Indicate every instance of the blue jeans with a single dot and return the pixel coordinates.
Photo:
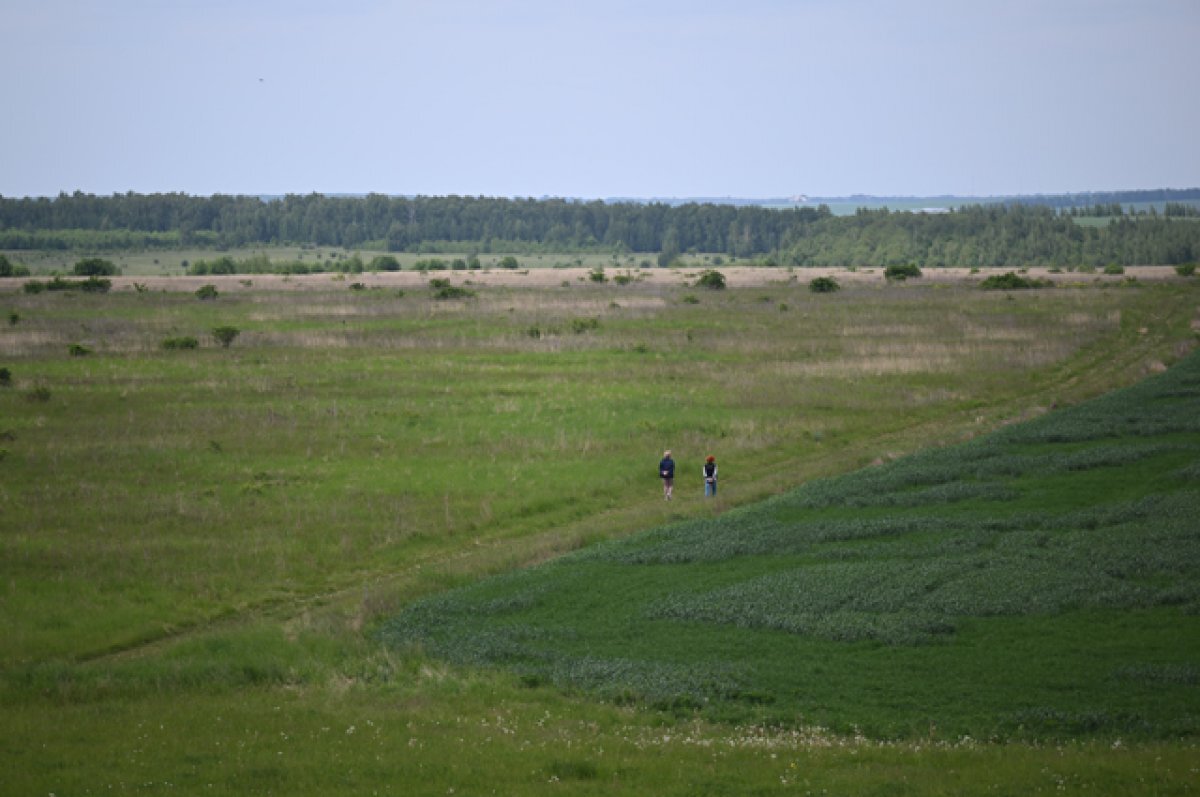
(710, 488)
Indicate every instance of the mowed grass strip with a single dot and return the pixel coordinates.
(1042, 582)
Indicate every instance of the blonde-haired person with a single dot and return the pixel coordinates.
(666, 472)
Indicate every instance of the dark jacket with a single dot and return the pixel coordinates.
(666, 468)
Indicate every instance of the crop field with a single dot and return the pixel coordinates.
(219, 565)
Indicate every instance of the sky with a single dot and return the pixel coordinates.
(598, 99)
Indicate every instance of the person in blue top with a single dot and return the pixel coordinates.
(666, 472)
(710, 477)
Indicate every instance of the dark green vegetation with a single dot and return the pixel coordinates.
(1011, 281)
(995, 235)
(196, 545)
(901, 271)
(1041, 582)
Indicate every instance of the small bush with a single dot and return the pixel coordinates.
(1114, 269)
(95, 285)
(437, 284)
(1186, 269)
(509, 262)
(385, 263)
(33, 286)
(5, 377)
(185, 342)
(902, 272)
(690, 299)
(452, 292)
(597, 275)
(824, 285)
(357, 286)
(622, 279)
(225, 335)
(711, 279)
(78, 350)
(205, 292)
(94, 267)
(1010, 281)
(38, 395)
(13, 319)
(581, 325)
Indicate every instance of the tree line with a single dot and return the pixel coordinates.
(998, 234)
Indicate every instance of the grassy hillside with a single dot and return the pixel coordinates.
(196, 545)
(1043, 581)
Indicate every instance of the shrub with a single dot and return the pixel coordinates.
(509, 262)
(824, 285)
(1113, 269)
(711, 279)
(206, 292)
(33, 286)
(78, 350)
(225, 335)
(357, 286)
(1185, 269)
(581, 325)
(439, 283)
(385, 263)
(94, 267)
(95, 285)
(902, 272)
(622, 279)
(185, 342)
(597, 275)
(39, 394)
(1010, 281)
(452, 292)
(6, 266)
(5, 377)
(13, 319)
(690, 299)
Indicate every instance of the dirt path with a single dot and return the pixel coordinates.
(736, 277)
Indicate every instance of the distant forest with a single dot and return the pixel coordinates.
(1000, 234)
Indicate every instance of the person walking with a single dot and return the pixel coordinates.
(710, 477)
(666, 471)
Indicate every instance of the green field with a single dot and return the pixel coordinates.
(201, 546)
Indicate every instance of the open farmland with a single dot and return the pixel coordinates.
(199, 544)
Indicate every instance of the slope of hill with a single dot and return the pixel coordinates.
(1041, 582)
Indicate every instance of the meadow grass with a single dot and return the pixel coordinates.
(171, 262)
(215, 532)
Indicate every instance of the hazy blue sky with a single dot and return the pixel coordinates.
(596, 99)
